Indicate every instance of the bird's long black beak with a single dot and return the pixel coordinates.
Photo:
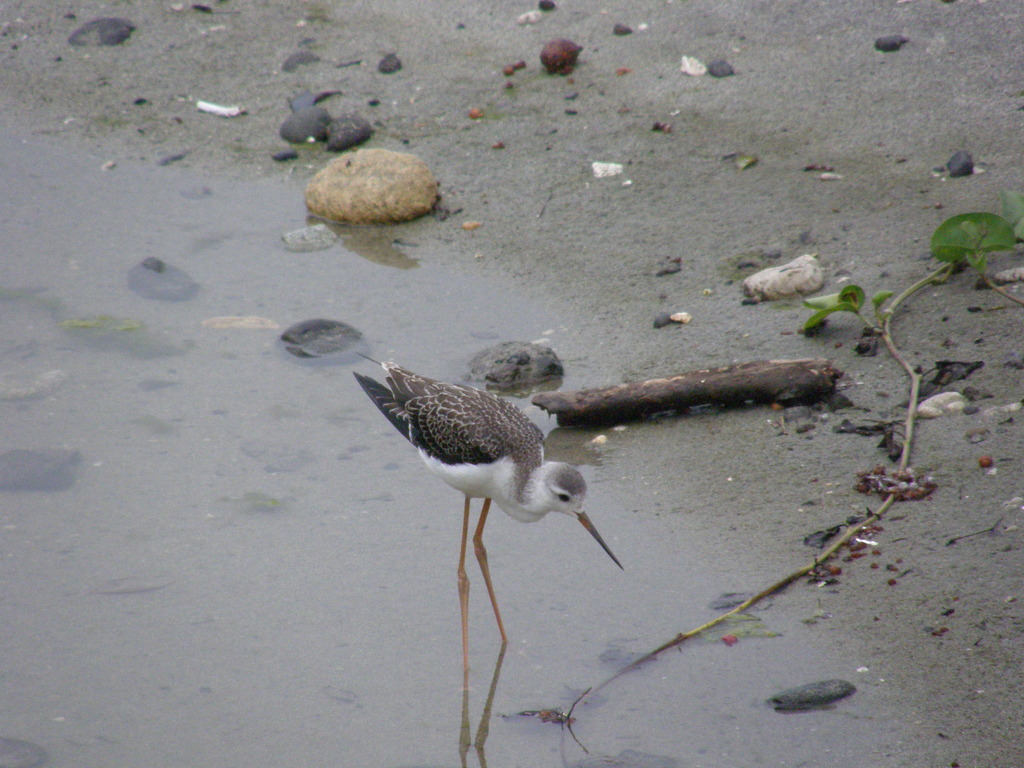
(593, 532)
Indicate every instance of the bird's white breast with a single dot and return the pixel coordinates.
(484, 481)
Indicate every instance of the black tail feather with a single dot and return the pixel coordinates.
(385, 402)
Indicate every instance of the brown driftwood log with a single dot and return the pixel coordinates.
(761, 381)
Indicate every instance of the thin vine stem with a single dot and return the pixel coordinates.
(885, 327)
(1000, 290)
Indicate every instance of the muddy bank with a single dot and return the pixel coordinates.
(944, 642)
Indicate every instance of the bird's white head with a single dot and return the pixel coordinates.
(561, 488)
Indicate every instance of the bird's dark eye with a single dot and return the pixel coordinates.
(564, 497)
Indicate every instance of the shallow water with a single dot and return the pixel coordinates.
(252, 566)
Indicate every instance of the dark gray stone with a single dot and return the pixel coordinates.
(389, 64)
(106, 31)
(306, 124)
(960, 164)
(812, 695)
(515, 364)
(296, 60)
(889, 43)
(346, 131)
(720, 68)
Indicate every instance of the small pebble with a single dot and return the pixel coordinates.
(622, 30)
(888, 43)
(106, 31)
(389, 64)
(346, 131)
(662, 320)
(531, 17)
(168, 159)
(559, 56)
(960, 164)
(285, 155)
(720, 68)
(546, 5)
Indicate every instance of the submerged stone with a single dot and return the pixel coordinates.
(318, 237)
(51, 469)
(812, 695)
(153, 278)
(323, 338)
(16, 753)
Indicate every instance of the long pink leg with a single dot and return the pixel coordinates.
(481, 556)
(464, 593)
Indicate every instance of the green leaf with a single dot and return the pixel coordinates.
(822, 302)
(853, 294)
(815, 319)
(878, 298)
(968, 233)
(1013, 207)
(977, 261)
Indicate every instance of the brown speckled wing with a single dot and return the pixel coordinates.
(455, 424)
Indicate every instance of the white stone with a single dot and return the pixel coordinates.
(693, 67)
(604, 170)
(1015, 275)
(800, 276)
(940, 405)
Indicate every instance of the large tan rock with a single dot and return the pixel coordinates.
(372, 186)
